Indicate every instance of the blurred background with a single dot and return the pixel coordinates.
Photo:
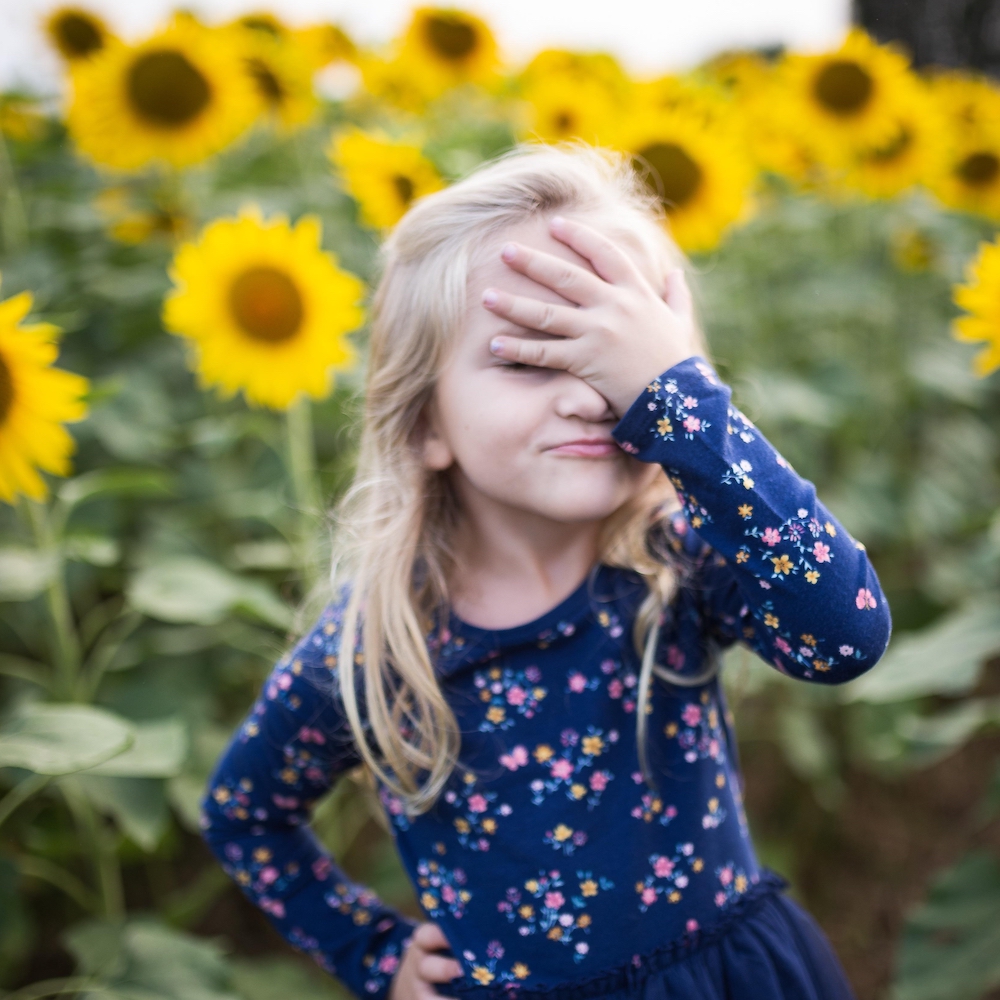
(173, 425)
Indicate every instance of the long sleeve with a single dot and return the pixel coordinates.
(778, 570)
(290, 749)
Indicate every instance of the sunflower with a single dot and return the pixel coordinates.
(21, 118)
(179, 97)
(444, 47)
(35, 400)
(281, 75)
(135, 220)
(980, 297)
(266, 309)
(846, 99)
(564, 106)
(597, 67)
(392, 81)
(77, 33)
(969, 102)
(702, 174)
(384, 176)
(325, 43)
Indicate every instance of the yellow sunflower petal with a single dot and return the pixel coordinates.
(264, 307)
(980, 297)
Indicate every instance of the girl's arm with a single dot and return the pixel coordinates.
(288, 752)
(782, 573)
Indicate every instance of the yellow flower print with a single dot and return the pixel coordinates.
(531, 885)
(782, 564)
(720, 780)
(741, 883)
(742, 556)
(520, 970)
(495, 674)
(462, 825)
(554, 934)
(593, 745)
(485, 694)
(812, 575)
(588, 887)
(496, 714)
(243, 877)
(539, 693)
(489, 825)
(771, 621)
(697, 865)
(362, 917)
(526, 912)
(222, 795)
(578, 791)
(808, 639)
(482, 975)
(289, 776)
(543, 752)
(747, 483)
(429, 901)
(745, 510)
(696, 521)
(562, 832)
(262, 854)
(674, 897)
(583, 920)
(664, 426)
(670, 729)
(830, 529)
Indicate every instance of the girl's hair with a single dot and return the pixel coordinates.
(394, 523)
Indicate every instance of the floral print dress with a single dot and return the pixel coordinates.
(548, 861)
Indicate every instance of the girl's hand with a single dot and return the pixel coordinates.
(420, 967)
(620, 334)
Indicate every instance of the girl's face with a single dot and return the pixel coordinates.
(533, 440)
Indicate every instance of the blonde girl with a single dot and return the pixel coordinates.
(558, 520)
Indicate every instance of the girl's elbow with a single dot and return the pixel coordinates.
(862, 650)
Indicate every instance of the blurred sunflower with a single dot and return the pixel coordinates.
(677, 93)
(846, 99)
(178, 97)
(562, 105)
(598, 67)
(701, 174)
(325, 43)
(384, 176)
(135, 220)
(265, 307)
(444, 47)
(980, 297)
(77, 33)
(392, 82)
(35, 400)
(969, 102)
(20, 117)
(282, 76)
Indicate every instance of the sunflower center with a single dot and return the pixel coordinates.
(450, 38)
(979, 169)
(263, 23)
(267, 305)
(166, 89)
(6, 390)
(77, 35)
(267, 83)
(843, 87)
(404, 188)
(679, 175)
(563, 121)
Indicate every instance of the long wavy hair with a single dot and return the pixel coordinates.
(392, 527)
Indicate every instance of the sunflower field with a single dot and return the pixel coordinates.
(187, 242)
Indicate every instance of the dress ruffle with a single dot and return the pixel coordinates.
(765, 948)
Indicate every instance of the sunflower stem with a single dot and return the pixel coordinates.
(65, 640)
(13, 217)
(305, 489)
(20, 794)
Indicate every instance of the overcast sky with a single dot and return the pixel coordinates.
(649, 36)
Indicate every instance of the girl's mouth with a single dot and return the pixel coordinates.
(587, 448)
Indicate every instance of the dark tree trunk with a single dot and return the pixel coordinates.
(938, 32)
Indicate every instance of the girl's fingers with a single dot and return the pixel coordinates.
(429, 936)
(537, 353)
(609, 260)
(438, 968)
(678, 295)
(568, 279)
(533, 314)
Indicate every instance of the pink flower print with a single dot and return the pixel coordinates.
(562, 769)
(675, 657)
(649, 896)
(273, 906)
(285, 801)
(285, 681)
(517, 695)
(577, 681)
(780, 643)
(448, 893)
(692, 424)
(477, 803)
(553, 900)
(821, 552)
(691, 715)
(662, 867)
(388, 963)
(713, 749)
(771, 536)
(607, 666)
(533, 674)
(689, 402)
(269, 874)
(726, 876)
(692, 926)
(615, 688)
(720, 899)
(314, 774)
(321, 868)
(671, 812)
(598, 781)
(846, 650)
(865, 599)
(518, 757)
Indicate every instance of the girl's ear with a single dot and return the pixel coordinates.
(434, 450)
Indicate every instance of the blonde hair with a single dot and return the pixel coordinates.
(391, 546)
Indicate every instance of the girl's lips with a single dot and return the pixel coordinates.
(600, 448)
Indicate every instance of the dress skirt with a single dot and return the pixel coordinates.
(767, 948)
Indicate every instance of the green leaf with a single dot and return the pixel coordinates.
(24, 573)
(950, 948)
(98, 550)
(281, 978)
(943, 659)
(62, 739)
(123, 481)
(189, 589)
(159, 751)
(138, 805)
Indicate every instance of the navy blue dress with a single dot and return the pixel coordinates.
(553, 870)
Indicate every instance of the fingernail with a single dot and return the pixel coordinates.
(489, 297)
(509, 252)
(496, 345)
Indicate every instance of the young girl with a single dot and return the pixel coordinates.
(557, 521)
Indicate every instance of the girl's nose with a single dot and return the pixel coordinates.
(576, 398)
